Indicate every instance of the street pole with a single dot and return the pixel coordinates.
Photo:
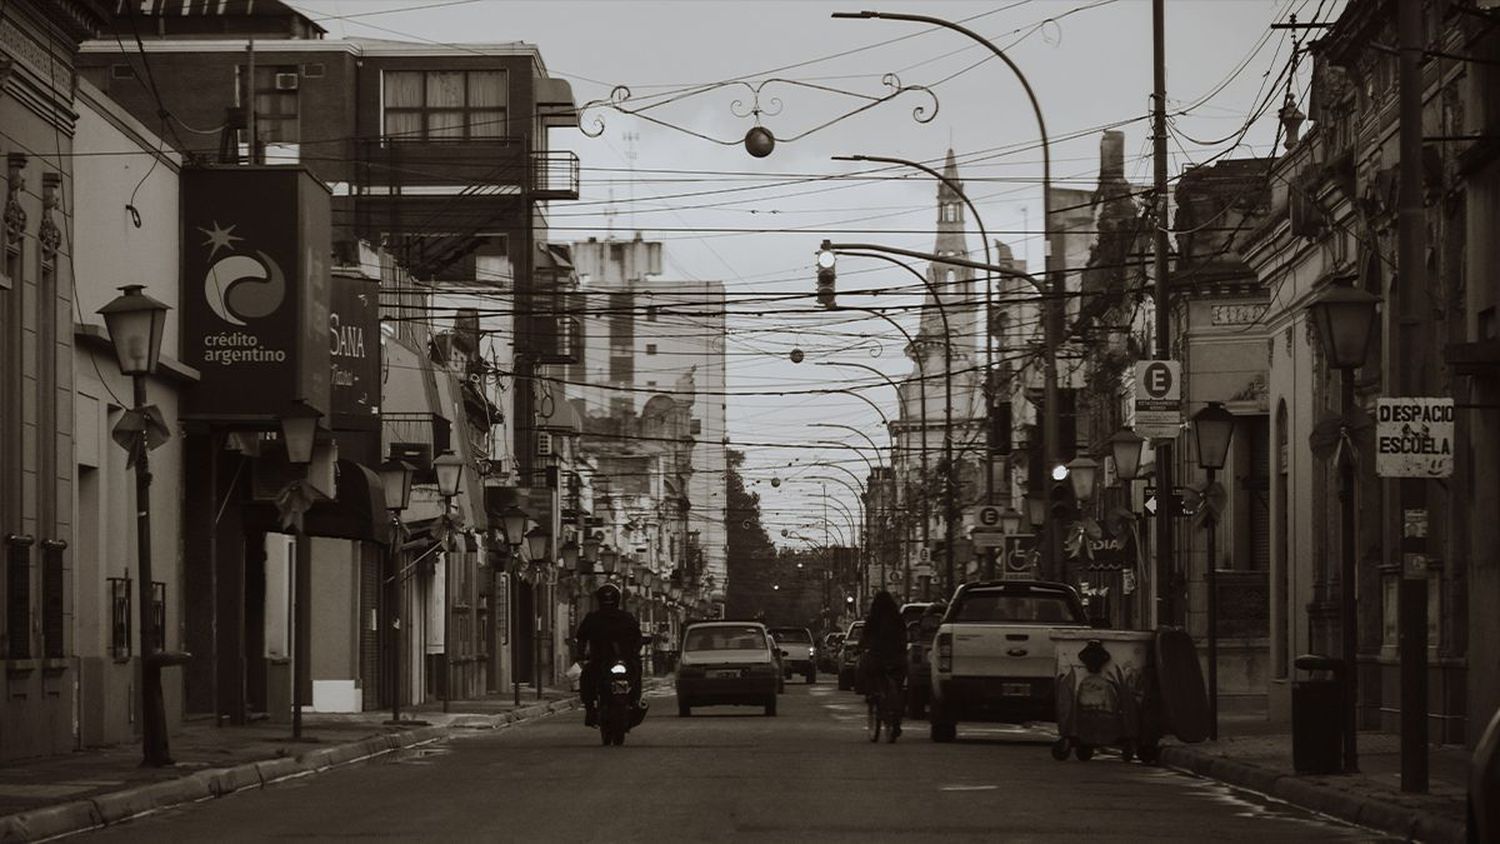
(1211, 575)
(154, 742)
(1166, 511)
(1408, 350)
(301, 627)
(1348, 607)
(1052, 289)
(393, 598)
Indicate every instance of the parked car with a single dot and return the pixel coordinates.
(726, 663)
(920, 632)
(849, 655)
(828, 655)
(994, 659)
(798, 654)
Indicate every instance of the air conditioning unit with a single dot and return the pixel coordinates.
(286, 81)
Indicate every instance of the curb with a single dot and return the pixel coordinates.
(1369, 812)
(63, 819)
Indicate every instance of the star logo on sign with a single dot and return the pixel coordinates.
(219, 237)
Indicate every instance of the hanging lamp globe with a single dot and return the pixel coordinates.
(759, 141)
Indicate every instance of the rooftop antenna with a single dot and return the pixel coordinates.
(609, 216)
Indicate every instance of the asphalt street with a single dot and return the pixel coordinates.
(733, 774)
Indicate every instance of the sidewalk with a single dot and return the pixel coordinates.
(1258, 756)
(56, 795)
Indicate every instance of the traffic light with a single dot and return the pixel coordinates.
(826, 275)
(1060, 499)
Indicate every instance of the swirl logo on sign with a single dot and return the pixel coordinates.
(240, 285)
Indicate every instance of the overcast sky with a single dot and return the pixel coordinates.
(1089, 62)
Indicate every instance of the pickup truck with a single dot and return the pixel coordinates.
(993, 658)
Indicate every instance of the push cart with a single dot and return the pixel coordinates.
(1104, 680)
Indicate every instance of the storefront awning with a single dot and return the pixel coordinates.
(357, 513)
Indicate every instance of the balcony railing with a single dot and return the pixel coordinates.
(554, 175)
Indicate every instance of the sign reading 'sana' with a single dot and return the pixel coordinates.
(256, 246)
(1414, 437)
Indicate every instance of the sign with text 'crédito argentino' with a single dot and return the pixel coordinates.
(1414, 437)
(255, 261)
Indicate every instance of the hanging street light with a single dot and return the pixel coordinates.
(449, 468)
(135, 323)
(1345, 317)
(299, 430)
(1082, 473)
(1125, 446)
(537, 540)
(1212, 428)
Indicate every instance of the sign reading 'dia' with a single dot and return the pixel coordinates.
(1414, 437)
(1158, 399)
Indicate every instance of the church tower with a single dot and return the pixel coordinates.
(956, 296)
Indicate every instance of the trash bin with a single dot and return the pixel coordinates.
(1101, 682)
(1317, 720)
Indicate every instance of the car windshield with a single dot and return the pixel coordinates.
(785, 635)
(724, 638)
(1032, 607)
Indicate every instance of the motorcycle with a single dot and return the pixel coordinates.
(617, 711)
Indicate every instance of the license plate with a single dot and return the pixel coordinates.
(1015, 689)
(724, 673)
(620, 687)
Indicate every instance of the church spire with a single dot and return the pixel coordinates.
(954, 284)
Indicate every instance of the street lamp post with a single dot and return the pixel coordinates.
(537, 540)
(1125, 447)
(299, 433)
(1345, 318)
(135, 323)
(449, 468)
(1213, 426)
(513, 525)
(949, 492)
(1053, 290)
(921, 446)
(395, 480)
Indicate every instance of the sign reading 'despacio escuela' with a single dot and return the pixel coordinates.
(1414, 437)
(256, 246)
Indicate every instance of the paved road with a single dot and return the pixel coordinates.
(732, 774)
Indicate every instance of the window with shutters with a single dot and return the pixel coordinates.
(445, 104)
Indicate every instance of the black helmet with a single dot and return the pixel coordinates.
(608, 595)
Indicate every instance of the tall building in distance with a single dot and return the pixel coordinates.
(646, 336)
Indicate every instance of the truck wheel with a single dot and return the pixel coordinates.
(1060, 749)
(1084, 752)
(942, 731)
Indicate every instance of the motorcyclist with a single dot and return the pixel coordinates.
(606, 634)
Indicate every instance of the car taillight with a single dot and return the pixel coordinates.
(811, 652)
(945, 651)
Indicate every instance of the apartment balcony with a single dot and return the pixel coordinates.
(554, 175)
